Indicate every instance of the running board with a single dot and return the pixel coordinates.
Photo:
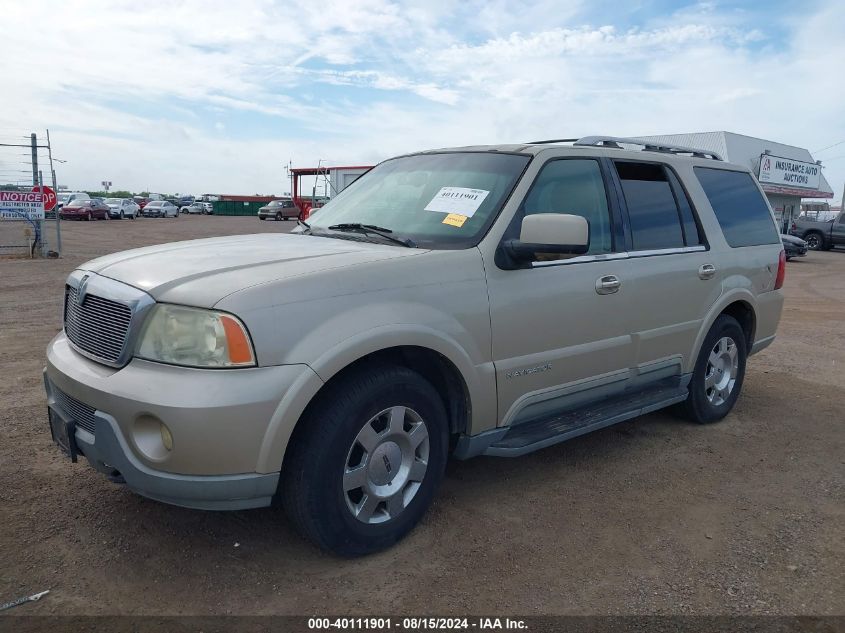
(531, 436)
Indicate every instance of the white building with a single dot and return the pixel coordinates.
(786, 173)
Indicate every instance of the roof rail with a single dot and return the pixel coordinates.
(554, 140)
(646, 144)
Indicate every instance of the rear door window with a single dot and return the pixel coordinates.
(739, 207)
(653, 210)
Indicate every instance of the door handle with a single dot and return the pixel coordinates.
(608, 284)
(706, 271)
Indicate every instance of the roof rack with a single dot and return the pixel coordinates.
(616, 142)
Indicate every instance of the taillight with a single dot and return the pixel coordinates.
(781, 270)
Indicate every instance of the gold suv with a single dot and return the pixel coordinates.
(488, 300)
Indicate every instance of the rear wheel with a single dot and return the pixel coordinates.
(719, 372)
(366, 461)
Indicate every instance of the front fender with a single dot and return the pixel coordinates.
(479, 380)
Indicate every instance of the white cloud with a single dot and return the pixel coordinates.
(118, 82)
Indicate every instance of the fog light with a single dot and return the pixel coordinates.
(166, 437)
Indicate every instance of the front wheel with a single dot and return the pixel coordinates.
(279, 217)
(719, 372)
(366, 461)
(815, 241)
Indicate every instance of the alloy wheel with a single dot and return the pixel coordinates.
(386, 465)
(722, 371)
(814, 242)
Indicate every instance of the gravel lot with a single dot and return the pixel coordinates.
(651, 516)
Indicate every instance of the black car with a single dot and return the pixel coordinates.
(793, 246)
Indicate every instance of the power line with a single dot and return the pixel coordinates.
(829, 147)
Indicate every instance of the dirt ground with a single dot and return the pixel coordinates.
(653, 516)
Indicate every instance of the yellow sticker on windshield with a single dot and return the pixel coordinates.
(455, 219)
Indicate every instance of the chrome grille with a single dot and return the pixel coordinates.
(99, 326)
(78, 411)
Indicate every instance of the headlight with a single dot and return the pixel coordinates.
(196, 338)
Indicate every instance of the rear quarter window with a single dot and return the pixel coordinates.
(739, 207)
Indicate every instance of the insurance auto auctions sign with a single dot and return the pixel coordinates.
(21, 205)
(789, 173)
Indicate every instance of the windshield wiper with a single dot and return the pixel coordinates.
(357, 227)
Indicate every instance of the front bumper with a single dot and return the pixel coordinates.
(218, 420)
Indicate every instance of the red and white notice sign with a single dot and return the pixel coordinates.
(21, 205)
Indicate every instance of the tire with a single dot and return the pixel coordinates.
(330, 441)
(279, 216)
(122, 216)
(262, 219)
(707, 404)
(815, 241)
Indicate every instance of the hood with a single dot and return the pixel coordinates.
(202, 272)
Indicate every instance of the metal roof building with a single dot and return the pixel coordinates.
(786, 173)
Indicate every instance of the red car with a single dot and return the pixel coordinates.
(95, 208)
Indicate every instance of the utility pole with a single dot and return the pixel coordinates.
(39, 224)
(56, 190)
(33, 140)
(42, 237)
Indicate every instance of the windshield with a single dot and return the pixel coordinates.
(438, 200)
(114, 200)
(275, 203)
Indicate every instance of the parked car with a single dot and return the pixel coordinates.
(793, 246)
(85, 209)
(820, 234)
(490, 300)
(279, 209)
(185, 201)
(195, 207)
(160, 209)
(66, 197)
(120, 208)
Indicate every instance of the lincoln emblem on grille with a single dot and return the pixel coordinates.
(80, 292)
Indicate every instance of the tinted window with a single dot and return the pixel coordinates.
(574, 187)
(739, 207)
(652, 210)
(692, 236)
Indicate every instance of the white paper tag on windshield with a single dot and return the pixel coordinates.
(458, 200)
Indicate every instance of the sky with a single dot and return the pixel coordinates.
(217, 97)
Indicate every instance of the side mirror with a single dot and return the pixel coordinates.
(549, 233)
